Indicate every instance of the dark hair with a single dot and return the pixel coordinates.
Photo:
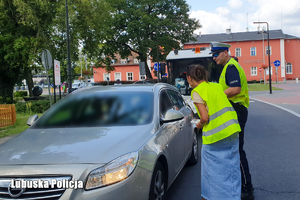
(197, 72)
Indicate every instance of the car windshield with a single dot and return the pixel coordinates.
(100, 109)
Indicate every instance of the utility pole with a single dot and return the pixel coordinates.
(68, 52)
(270, 81)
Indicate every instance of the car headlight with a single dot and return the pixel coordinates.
(113, 172)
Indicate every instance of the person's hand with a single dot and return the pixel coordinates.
(199, 126)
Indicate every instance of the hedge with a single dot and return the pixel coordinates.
(20, 94)
(39, 106)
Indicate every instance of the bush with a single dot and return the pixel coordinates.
(21, 107)
(20, 94)
(6, 101)
(39, 106)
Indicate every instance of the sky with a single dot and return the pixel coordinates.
(216, 16)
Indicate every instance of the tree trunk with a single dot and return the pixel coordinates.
(29, 81)
(148, 72)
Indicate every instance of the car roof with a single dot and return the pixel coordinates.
(125, 87)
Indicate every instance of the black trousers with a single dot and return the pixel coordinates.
(242, 113)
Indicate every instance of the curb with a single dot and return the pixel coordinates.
(287, 110)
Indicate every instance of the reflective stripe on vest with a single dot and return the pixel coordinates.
(221, 127)
(222, 117)
(243, 96)
(221, 112)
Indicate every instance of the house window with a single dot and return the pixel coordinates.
(267, 71)
(118, 76)
(289, 68)
(253, 71)
(142, 77)
(105, 76)
(238, 52)
(123, 61)
(129, 76)
(253, 51)
(267, 50)
(135, 60)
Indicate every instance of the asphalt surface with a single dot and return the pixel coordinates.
(272, 137)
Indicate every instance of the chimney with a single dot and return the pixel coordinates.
(228, 31)
(199, 34)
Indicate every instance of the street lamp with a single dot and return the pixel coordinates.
(263, 33)
(270, 82)
(158, 76)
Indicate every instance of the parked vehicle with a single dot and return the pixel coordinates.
(94, 84)
(115, 142)
(144, 82)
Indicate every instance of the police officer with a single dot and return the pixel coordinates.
(234, 83)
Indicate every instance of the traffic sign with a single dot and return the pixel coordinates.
(46, 59)
(155, 66)
(277, 63)
(142, 68)
(57, 72)
(260, 69)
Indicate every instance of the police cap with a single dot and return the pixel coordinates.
(218, 47)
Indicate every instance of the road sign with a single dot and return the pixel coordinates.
(260, 69)
(46, 59)
(57, 72)
(277, 63)
(155, 66)
(142, 68)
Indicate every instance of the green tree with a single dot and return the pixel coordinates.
(24, 32)
(143, 27)
(29, 26)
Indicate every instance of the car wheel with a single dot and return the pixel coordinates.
(194, 156)
(158, 183)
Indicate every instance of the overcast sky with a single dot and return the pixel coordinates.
(216, 16)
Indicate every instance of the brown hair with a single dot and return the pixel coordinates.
(197, 72)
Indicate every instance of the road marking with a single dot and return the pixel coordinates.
(290, 111)
(251, 101)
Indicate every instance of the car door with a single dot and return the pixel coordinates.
(185, 124)
(171, 134)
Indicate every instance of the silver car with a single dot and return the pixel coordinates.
(111, 142)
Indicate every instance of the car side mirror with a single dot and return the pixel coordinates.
(32, 119)
(171, 116)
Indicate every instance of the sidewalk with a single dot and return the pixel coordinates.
(288, 98)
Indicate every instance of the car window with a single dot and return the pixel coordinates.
(176, 99)
(100, 109)
(164, 103)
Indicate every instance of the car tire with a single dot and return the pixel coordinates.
(158, 183)
(194, 155)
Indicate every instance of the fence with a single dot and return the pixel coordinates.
(7, 115)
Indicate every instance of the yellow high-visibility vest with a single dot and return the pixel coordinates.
(243, 96)
(223, 120)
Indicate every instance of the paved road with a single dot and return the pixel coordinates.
(288, 98)
(272, 145)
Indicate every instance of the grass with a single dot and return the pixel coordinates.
(18, 127)
(261, 87)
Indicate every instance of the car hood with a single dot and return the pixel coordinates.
(73, 145)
